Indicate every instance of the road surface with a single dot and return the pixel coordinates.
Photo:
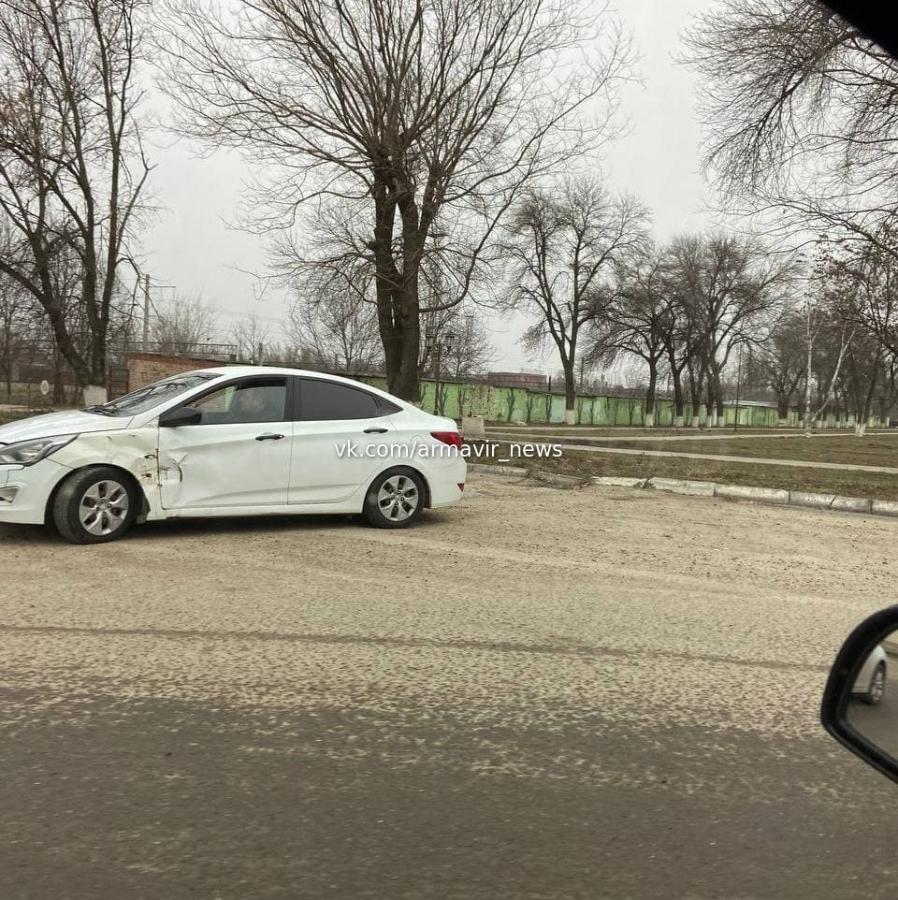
(539, 693)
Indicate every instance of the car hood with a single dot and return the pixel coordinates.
(72, 421)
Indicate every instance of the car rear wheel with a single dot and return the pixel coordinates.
(395, 499)
(877, 688)
(95, 506)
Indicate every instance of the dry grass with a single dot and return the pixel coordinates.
(870, 450)
(848, 484)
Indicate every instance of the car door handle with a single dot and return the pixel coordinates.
(269, 437)
(376, 430)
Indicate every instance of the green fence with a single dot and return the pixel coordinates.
(506, 404)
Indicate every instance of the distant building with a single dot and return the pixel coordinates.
(532, 381)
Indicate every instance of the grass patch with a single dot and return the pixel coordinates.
(824, 481)
(870, 450)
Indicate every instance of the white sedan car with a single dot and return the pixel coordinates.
(231, 441)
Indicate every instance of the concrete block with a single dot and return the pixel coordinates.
(676, 486)
(758, 494)
(806, 498)
(94, 395)
(884, 507)
(472, 426)
(618, 481)
(851, 504)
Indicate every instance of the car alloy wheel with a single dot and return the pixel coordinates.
(94, 505)
(398, 498)
(395, 499)
(104, 508)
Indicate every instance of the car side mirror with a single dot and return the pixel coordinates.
(180, 415)
(860, 703)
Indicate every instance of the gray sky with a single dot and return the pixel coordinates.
(193, 245)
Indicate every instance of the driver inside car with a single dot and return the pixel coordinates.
(258, 404)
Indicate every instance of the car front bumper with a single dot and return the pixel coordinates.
(26, 490)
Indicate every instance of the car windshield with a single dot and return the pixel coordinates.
(152, 395)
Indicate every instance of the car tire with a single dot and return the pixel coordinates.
(877, 688)
(94, 506)
(395, 499)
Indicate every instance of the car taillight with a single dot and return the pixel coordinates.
(452, 438)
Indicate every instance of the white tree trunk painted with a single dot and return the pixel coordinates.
(649, 420)
(696, 421)
(570, 417)
(679, 421)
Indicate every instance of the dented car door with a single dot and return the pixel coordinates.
(236, 454)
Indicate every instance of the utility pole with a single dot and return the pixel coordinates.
(146, 311)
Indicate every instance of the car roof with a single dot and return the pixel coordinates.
(246, 371)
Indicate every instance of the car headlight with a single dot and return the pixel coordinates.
(27, 453)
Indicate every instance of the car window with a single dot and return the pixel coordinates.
(152, 395)
(328, 400)
(259, 400)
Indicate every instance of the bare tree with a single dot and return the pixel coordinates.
(15, 311)
(250, 337)
(464, 343)
(726, 288)
(563, 247)
(861, 295)
(780, 360)
(430, 115)
(336, 323)
(802, 116)
(72, 167)
(182, 325)
(638, 320)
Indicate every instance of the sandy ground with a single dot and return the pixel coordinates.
(538, 693)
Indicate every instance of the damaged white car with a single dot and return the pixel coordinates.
(231, 441)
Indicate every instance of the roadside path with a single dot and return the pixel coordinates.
(640, 435)
(752, 460)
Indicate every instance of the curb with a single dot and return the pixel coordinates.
(775, 497)
(483, 469)
(767, 496)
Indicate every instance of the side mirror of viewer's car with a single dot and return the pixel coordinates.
(181, 415)
(860, 703)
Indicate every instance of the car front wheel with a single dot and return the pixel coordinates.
(94, 506)
(395, 499)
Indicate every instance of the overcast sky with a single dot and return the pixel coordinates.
(193, 245)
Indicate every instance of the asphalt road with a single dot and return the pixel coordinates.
(539, 693)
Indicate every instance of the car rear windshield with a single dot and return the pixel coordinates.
(152, 395)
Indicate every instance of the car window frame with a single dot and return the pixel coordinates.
(244, 380)
(384, 407)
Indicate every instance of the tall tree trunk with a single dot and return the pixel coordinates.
(650, 395)
(679, 400)
(860, 425)
(695, 396)
(397, 302)
(782, 407)
(570, 393)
